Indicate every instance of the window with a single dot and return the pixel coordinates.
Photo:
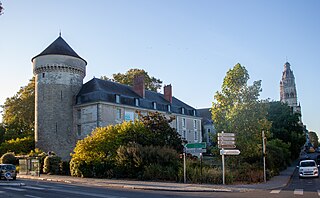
(136, 102)
(195, 135)
(194, 112)
(182, 110)
(79, 129)
(169, 108)
(118, 114)
(209, 131)
(43, 75)
(184, 134)
(194, 124)
(183, 123)
(117, 98)
(79, 114)
(154, 105)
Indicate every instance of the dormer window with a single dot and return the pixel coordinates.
(194, 112)
(136, 102)
(117, 98)
(154, 104)
(182, 110)
(169, 108)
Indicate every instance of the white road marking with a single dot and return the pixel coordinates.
(32, 196)
(33, 188)
(275, 191)
(298, 192)
(319, 193)
(15, 189)
(85, 193)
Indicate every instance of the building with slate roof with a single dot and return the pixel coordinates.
(67, 110)
(207, 125)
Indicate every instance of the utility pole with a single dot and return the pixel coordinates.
(264, 142)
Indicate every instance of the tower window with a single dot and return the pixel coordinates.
(79, 113)
(79, 129)
(43, 74)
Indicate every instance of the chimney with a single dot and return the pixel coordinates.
(167, 89)
(138, 85)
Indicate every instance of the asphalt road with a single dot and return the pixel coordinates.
(42, 189)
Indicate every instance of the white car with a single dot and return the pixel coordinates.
(308, 168)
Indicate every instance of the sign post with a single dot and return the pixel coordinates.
(226, 140)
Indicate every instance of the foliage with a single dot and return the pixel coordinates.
(147, 162)
(160, 131)
(8, 158)
(64, 167)
(278, 156)
(314, 139)
(237, 109)
(100, 147)
(19, 145)
(52, 165)
(286, 127)
(151, 83)
(117, 150)
(1, 9)
(18, 113)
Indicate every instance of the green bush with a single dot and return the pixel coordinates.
(19, 145)
(51, 165)
(64, 167)
(8, 158)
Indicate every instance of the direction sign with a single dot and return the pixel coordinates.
(196, 145)
(226, 134)
(226, 142)
(223, 138)
(229, 152)
(227, 146)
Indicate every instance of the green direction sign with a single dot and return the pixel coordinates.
(196, 145)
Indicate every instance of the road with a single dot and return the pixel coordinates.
(42, 189)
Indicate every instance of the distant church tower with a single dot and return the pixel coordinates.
(288, 92)
(59, 73)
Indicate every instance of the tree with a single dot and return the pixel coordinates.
(314, 139)
(161, 133)
(286, 127)
(1, 8)
(18, 113)
(237, 109)
(151, 83)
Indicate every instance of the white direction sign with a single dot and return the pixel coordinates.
(223, 138)
(226, 134)
(229, 152)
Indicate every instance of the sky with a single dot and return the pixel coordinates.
(186, 43)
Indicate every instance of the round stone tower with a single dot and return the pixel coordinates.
(59, 73)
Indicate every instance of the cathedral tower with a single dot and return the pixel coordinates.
(288, 92)
(59, 73)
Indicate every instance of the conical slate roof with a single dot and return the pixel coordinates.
(59, 47)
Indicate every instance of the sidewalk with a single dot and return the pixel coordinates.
(276, 182)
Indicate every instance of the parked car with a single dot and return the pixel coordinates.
(308, 168)
(8, 171)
